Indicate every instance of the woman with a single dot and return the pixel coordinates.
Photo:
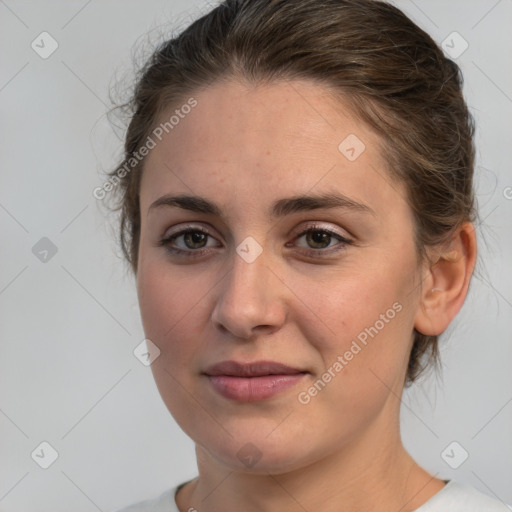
(298, 209)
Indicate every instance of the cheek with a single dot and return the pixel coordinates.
(346, 307)
(361, 327)
(362, 360)
(170, 304)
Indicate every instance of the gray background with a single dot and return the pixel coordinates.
(69, 325)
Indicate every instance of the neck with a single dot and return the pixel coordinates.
(364, 475)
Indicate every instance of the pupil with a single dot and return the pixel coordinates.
(318, 237)
(194, 238)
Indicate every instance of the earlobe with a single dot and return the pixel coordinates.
(447, 281)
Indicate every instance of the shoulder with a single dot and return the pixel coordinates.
(163, 503)
(457, 497)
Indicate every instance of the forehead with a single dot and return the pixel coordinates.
(297, 116)
(248, 141)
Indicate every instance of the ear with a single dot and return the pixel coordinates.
(446, 282)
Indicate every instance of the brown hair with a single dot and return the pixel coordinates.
(391, 72)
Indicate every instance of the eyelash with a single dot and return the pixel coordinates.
(315, 253)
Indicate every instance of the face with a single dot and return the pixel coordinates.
(326, 284)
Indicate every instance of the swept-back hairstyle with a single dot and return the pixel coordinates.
(389, 71)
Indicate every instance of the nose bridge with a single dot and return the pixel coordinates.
(248, 297)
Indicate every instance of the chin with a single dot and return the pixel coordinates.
(257, 453)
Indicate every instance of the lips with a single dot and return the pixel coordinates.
(252, 382)
(253, 369)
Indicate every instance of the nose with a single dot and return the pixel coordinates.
(250, 299)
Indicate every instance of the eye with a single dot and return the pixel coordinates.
(194, 241)
(319, 239)
(188, 240)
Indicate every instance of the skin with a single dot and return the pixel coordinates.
(243, 147)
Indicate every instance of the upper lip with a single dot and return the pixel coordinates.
(251, 369)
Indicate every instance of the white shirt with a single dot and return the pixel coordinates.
(453, 497)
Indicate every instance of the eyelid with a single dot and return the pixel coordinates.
(298, 232)
(177, 230)
(343, 241)
(171, 234)
(181, 230)
(321, 227)
(343, 238)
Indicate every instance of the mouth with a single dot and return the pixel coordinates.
(253, 369)
(250, 382)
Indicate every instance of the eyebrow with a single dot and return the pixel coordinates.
(279, 208)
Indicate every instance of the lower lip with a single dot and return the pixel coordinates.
(252, 389)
